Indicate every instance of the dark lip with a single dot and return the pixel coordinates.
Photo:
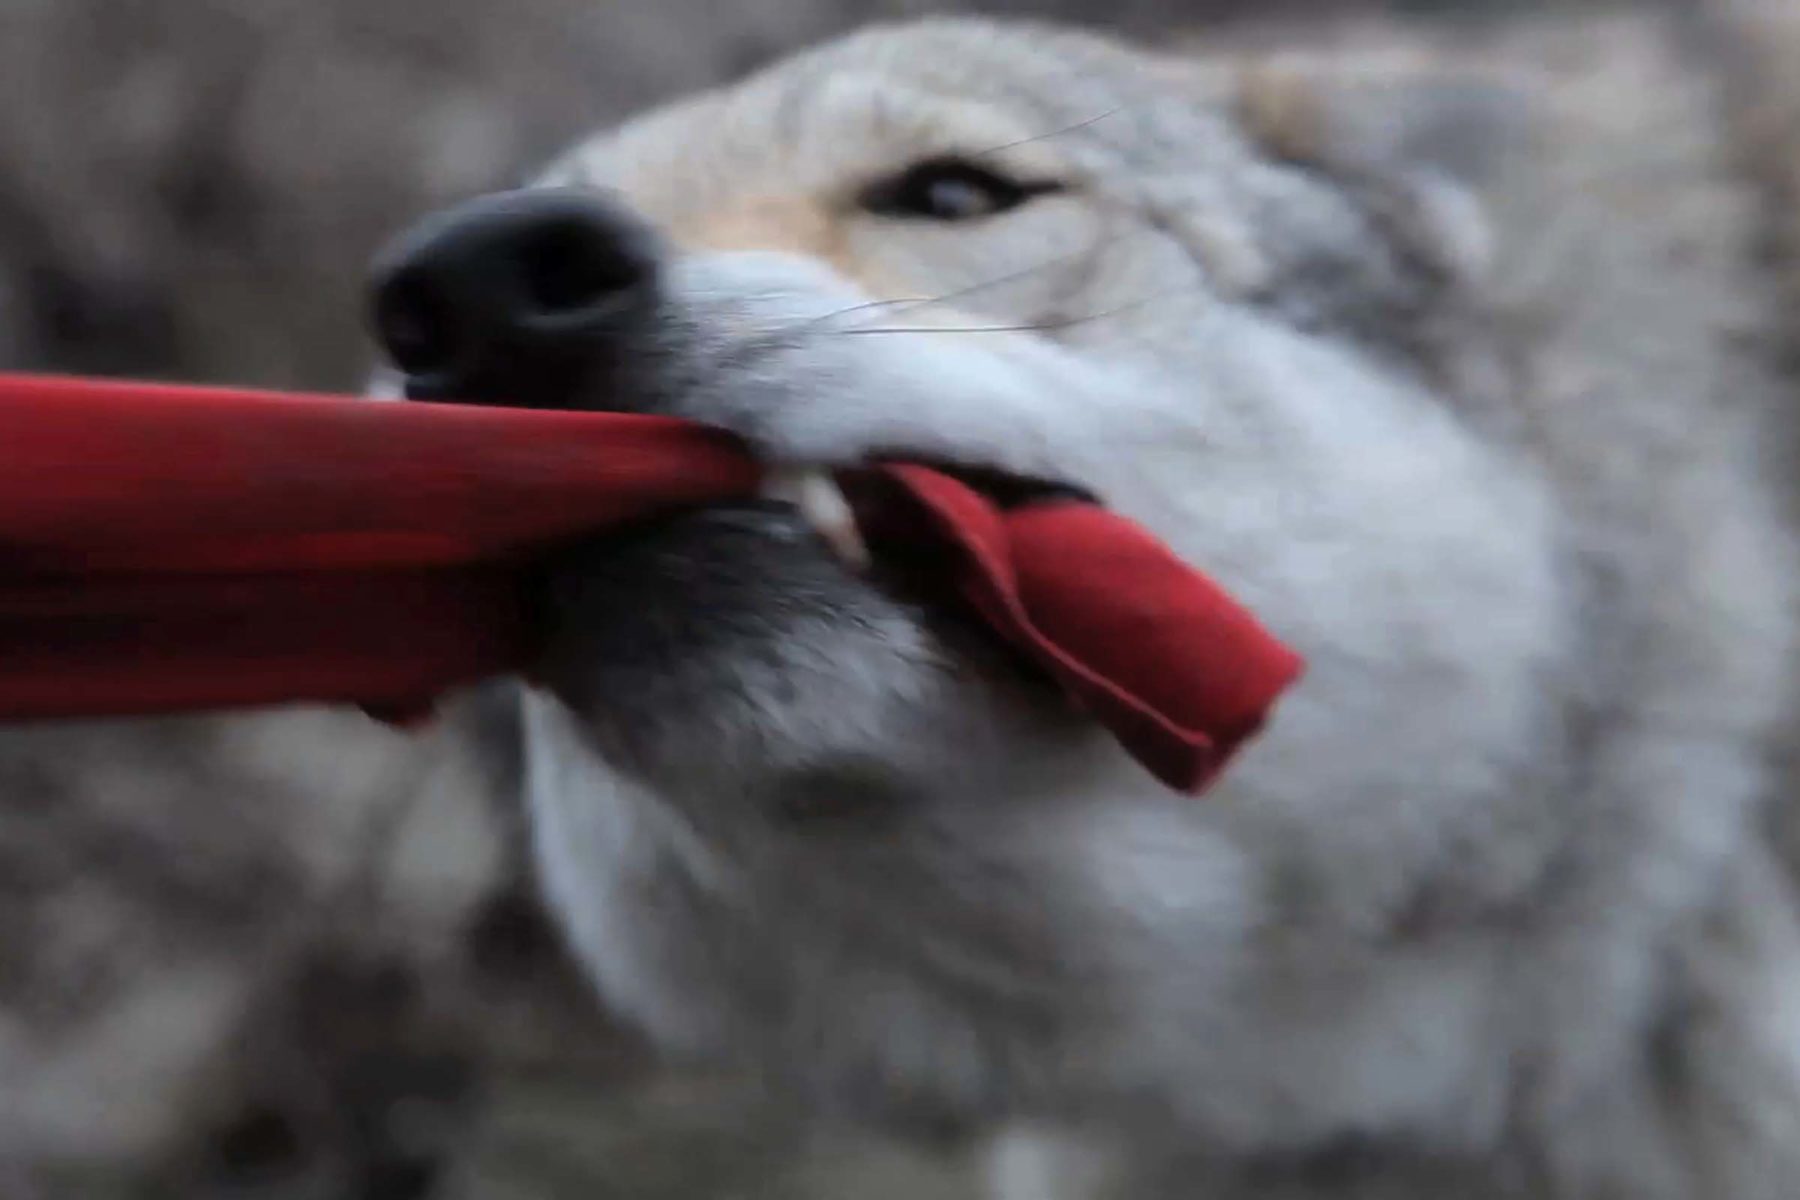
(1006, 489)
(446, 388)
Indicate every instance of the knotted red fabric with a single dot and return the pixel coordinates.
(167, 549)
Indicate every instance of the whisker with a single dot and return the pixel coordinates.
(790, 334)
(1023, 327)
(915, 303)
(912, 303)
(848, 310)
(1054, 133)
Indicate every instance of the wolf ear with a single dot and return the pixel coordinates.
(1423, 144)
(1381, 118)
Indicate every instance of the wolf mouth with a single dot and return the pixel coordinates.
(851, 509)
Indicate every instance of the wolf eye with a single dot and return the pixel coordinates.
(950, 189)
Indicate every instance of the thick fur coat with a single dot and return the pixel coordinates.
(1442, 360)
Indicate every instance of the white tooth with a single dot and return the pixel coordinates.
(822, 506)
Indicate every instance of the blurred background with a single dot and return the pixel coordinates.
(190, 189)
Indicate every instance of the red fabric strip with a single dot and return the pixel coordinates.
(1179, 672)
(102, 477)
(167, 549)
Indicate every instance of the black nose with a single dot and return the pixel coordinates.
(519, 298)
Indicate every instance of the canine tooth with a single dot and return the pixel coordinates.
(822, 506)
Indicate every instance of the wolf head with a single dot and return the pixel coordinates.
(788, 812)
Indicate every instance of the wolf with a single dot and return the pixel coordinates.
(1449, 353)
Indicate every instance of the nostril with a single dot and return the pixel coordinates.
(569, 265)
(416, 325)
(513, 298)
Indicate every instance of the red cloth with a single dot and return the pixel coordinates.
(172, 549)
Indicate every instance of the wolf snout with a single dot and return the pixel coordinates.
(519, 298)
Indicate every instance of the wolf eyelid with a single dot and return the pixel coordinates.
(951, 188)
